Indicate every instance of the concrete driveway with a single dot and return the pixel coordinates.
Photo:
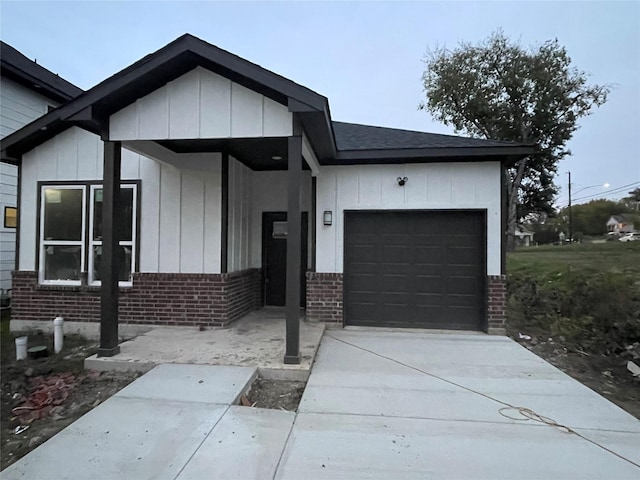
(378, 405)
(419, 405)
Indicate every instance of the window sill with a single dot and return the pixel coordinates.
(79, 288)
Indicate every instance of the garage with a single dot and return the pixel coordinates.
(420, 269)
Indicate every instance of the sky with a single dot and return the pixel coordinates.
(366, 57)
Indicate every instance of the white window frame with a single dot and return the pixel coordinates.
(123, 243)
(86, 244)
(43, 244)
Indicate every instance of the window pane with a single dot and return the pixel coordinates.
(10, 217)
(62, 214)
(124, 262)
(125, 215)
(62, 262)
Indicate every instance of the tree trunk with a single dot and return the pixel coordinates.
(513, 187)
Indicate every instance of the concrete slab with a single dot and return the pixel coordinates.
(423, 375)
(326, 446)
(255, 340)
(123, 438)
(192, 383)
(247, 443)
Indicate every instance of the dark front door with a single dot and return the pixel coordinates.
(274, 257)
(422, 269)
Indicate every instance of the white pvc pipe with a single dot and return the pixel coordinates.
(21, 348)
(58, 336)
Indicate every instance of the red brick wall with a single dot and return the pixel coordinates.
(324, 297)
(496, 303)
(154, 298)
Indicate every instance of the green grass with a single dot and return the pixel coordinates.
(588, 294)
(612, 257)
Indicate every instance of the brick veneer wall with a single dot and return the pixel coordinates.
(155, 298)
(324, 297)
(496, 304)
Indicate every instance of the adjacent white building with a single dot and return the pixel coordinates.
(27, 91)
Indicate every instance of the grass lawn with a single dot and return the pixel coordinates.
(615, 257)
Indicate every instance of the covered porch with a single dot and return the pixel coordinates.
(255, 340)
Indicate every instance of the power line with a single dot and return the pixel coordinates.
(601, 194)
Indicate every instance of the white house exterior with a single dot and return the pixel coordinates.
(27, 91)
(238, 190)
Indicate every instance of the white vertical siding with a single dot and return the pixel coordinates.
(180, 209)
(429, 186)
(269, 194)
(239, 216)
(201, 104)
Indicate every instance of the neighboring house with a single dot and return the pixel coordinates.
(385, 227)
(27, 91)
(620, 224)
(524, 237)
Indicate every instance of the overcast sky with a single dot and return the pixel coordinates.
(365, 57)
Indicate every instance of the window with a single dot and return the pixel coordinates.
(10, 217)
(71, 234)
(127, 217)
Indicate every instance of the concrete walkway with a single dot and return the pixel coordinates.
(418, 405)
(256, 340)
(378, 405)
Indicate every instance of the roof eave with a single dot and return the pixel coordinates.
(404, 155)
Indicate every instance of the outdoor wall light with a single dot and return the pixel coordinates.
(401, 181)
(327, 218)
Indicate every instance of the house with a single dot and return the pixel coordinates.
(620, 224)
(239, 190)
(524, 237)
(27, 91)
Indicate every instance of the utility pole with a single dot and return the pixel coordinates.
(570, 213)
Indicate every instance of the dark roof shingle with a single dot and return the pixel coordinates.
(354, 136)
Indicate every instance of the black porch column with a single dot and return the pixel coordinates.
(292, 309)
(109, 263)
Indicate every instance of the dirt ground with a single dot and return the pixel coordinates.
(276, 394)
(40, 397)
(605, 374)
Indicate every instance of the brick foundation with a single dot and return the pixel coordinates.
(324, 297)
(496, 304)
(213, 300)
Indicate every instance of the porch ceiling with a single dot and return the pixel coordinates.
(255, 153)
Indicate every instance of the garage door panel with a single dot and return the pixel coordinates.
(395, 283)
(429, 284)
(394, 254)
(362, 253)
(430, 254)
(415, 269)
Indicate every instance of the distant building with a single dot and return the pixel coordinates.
(622, 223)
(524, 237)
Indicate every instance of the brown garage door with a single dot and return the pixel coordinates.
(423, 269)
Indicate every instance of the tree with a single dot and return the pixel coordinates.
(633, 200)
(503, 91)
(591, 218)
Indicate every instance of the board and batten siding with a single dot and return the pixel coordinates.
(180, 208)
(239, 216)
(201, 104)
(434, 186)
(18, 106)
